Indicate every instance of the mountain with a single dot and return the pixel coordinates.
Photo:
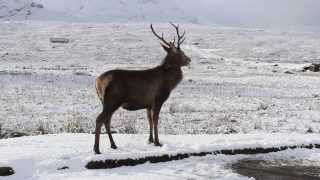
(271, 14)
(95, 10)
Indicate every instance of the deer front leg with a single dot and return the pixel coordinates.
(156, 111)
(149, 114)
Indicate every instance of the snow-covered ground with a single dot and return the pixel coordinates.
(243, 81)
(40, 157)
(236, 81)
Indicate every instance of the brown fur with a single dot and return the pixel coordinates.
(143, 89)
(102, 83)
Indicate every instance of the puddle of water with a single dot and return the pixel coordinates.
(264, 170)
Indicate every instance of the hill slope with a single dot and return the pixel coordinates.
(273, 14)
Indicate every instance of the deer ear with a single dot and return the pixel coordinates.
(166, 48)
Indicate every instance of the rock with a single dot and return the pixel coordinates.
(63, 168)
(309, 130)
(36, 5)
(6, 171)
(12, 134)
(305, 68)
(313, 67)
(18, 134)
(5, 54)
(230, 131)
(59, 40)
(288, 72)
(82, 74)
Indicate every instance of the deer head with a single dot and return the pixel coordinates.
(175, 56)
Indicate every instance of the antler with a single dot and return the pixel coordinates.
(161, 38)
(181, 38)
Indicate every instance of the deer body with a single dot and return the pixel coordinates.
(139, 89)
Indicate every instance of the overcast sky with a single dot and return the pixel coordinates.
(264, 13)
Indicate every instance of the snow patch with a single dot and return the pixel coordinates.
(39, 157)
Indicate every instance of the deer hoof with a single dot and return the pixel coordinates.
(150, 141)
(158, 144)
(96, 150)
(114, 147)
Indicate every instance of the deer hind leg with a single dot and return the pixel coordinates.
(149, 114)
(99, 123)
(103, 118)
(107, 123)
(111, 104)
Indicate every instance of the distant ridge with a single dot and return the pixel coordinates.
(241, 13)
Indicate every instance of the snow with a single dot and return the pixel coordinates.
(235, 84)
(232, 84)
(39, 157)
(100, 10)
(295, 14)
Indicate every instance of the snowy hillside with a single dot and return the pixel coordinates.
(272, 14)
(238, 81)
(95, 10)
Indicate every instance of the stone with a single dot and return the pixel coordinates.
(313, 68)
(59, 40)
(309, 130)
(6, 171)
(36, 5)
(63, 168)
(288, 72)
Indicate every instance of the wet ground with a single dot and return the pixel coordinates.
(264, 170)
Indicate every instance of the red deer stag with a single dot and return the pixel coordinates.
(143, 89)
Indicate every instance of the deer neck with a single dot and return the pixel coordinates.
(173, 76)
(172, 73)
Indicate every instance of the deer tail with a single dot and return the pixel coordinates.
(102, 82)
